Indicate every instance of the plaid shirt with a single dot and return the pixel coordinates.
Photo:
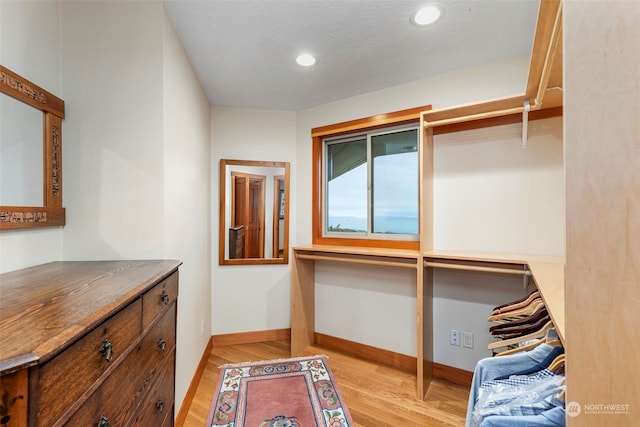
(518, 395)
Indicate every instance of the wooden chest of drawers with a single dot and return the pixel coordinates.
(88, 343)
(236, 242)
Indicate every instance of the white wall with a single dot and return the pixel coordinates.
(136, 146)
(187, 199)
(250, 298)
(30, 46)
(489, 195)
(113, 150)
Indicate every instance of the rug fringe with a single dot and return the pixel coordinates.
(262, 362)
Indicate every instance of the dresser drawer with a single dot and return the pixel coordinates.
(158, 344)
(14, 392)
(117, 397)
(157, 299)
(120, 394)
(157, 407)
(65, 378)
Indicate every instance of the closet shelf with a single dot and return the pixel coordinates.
(549, 278)
(547, 272)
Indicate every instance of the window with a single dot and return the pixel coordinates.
(366, 181)
(371, 184)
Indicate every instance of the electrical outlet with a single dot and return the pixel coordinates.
(202, 328)
(467, 339)
(454, 337)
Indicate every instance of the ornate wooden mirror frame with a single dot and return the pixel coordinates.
(51, 213)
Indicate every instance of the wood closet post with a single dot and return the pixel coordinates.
(302, 304)
(425, 275)
(602, 175)
(425, 329)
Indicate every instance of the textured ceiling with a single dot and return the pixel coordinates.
(243, 51)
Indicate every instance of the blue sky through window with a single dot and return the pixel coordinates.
(347, 200)
(395, 196)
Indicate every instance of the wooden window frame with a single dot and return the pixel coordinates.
(397, 118)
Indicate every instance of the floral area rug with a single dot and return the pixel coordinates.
(298, 392)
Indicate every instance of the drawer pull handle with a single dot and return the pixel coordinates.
(162, 344)
(107, 352)
(103, 422)
(165, 297)
(160, 405)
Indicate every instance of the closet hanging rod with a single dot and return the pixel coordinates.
(357, 260)
(525, 273)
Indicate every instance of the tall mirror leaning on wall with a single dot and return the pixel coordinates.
(254, 212)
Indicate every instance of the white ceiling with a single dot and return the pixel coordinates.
(244, 51)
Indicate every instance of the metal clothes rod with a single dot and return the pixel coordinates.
(525, 122)
(357, 260)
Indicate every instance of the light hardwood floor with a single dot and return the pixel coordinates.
(376, 395)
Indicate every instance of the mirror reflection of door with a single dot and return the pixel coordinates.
(254, 212)
(278, 216)
(247, 210)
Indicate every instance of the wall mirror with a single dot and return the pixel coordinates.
(254, 212)
(30, 154)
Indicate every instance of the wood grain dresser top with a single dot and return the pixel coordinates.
(45, 308)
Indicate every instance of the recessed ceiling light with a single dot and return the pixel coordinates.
(306, 60)
(427, 14)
